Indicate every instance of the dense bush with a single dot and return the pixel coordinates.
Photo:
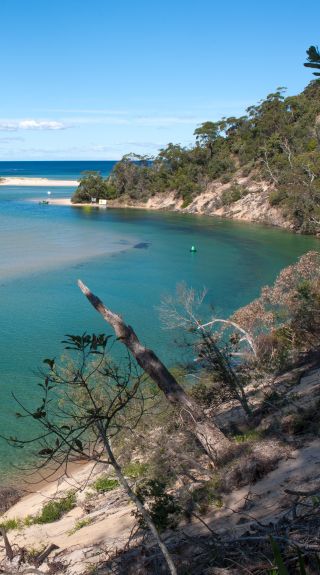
(91, 186)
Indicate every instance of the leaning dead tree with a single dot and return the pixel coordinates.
(210, 436)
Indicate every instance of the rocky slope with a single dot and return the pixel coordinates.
(95, 532)
(253, 207)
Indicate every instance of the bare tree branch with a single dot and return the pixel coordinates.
(210, 436)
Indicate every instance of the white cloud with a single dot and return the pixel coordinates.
(31, 124)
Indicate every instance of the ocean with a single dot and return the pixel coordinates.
(129, 258)
(59, 170)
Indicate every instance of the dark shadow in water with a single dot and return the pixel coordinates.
(142, 246)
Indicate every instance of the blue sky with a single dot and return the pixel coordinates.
(96, 79)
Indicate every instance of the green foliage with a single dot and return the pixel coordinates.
(313, 59)
(79, 525)
(186, 202)
(281, 568)
(162, 506)
(251, 435)
(10, 524)
(233, 194)
(278, 197)
(206, 496)
(135, 469)
(105, 484)
(91, 186)
(55, 509)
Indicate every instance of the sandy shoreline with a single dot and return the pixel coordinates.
(15, 181)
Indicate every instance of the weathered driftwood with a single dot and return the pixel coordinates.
(210, 436)
(43, 556)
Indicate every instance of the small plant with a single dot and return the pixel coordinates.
(251, 435)
(206, 495)
(163, 508)
(136, 469)
(10, 524)
(33, 552)
(233, 194)
(79, 525)
(105, 484)
(28, 521)
(54, 510)
(187, 199)
(279, 563)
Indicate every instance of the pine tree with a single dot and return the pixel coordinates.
(313, 59)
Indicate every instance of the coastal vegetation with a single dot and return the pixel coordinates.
(246, 375)
(276, 144)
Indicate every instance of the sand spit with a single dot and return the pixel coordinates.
(37, 182)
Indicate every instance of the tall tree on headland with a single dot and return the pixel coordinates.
(313, 59)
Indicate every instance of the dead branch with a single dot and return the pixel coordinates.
(315, 491)
(246, 335)
(210, 436)
(43, 556)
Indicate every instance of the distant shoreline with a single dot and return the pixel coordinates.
(15, 181)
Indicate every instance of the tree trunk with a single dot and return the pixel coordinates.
(146, 516)
(210, 436)
(8, 548)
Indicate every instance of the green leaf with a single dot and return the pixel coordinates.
(301, 563)
(45, 451)
(39, 414)
(282, 570)
(49, 362)
(78, 443)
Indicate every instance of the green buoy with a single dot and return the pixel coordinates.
(193, 249)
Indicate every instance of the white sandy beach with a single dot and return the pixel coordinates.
(37, 182)
(62, 202)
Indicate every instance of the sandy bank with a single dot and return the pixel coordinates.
(37, 182)
(67, 202)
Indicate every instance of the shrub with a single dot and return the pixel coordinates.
(277, 197)
(233, 194)
(136, 469)
(225, 178)
(163, 508)
(105, 484)
(186, 201)
(54, 510)
(10, 524)
(206, 495)
(79, 525)
(251, 435)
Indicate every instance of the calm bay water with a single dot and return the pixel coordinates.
(44, 249)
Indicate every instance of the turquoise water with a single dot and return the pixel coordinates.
(44, 249)
(54, 169)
